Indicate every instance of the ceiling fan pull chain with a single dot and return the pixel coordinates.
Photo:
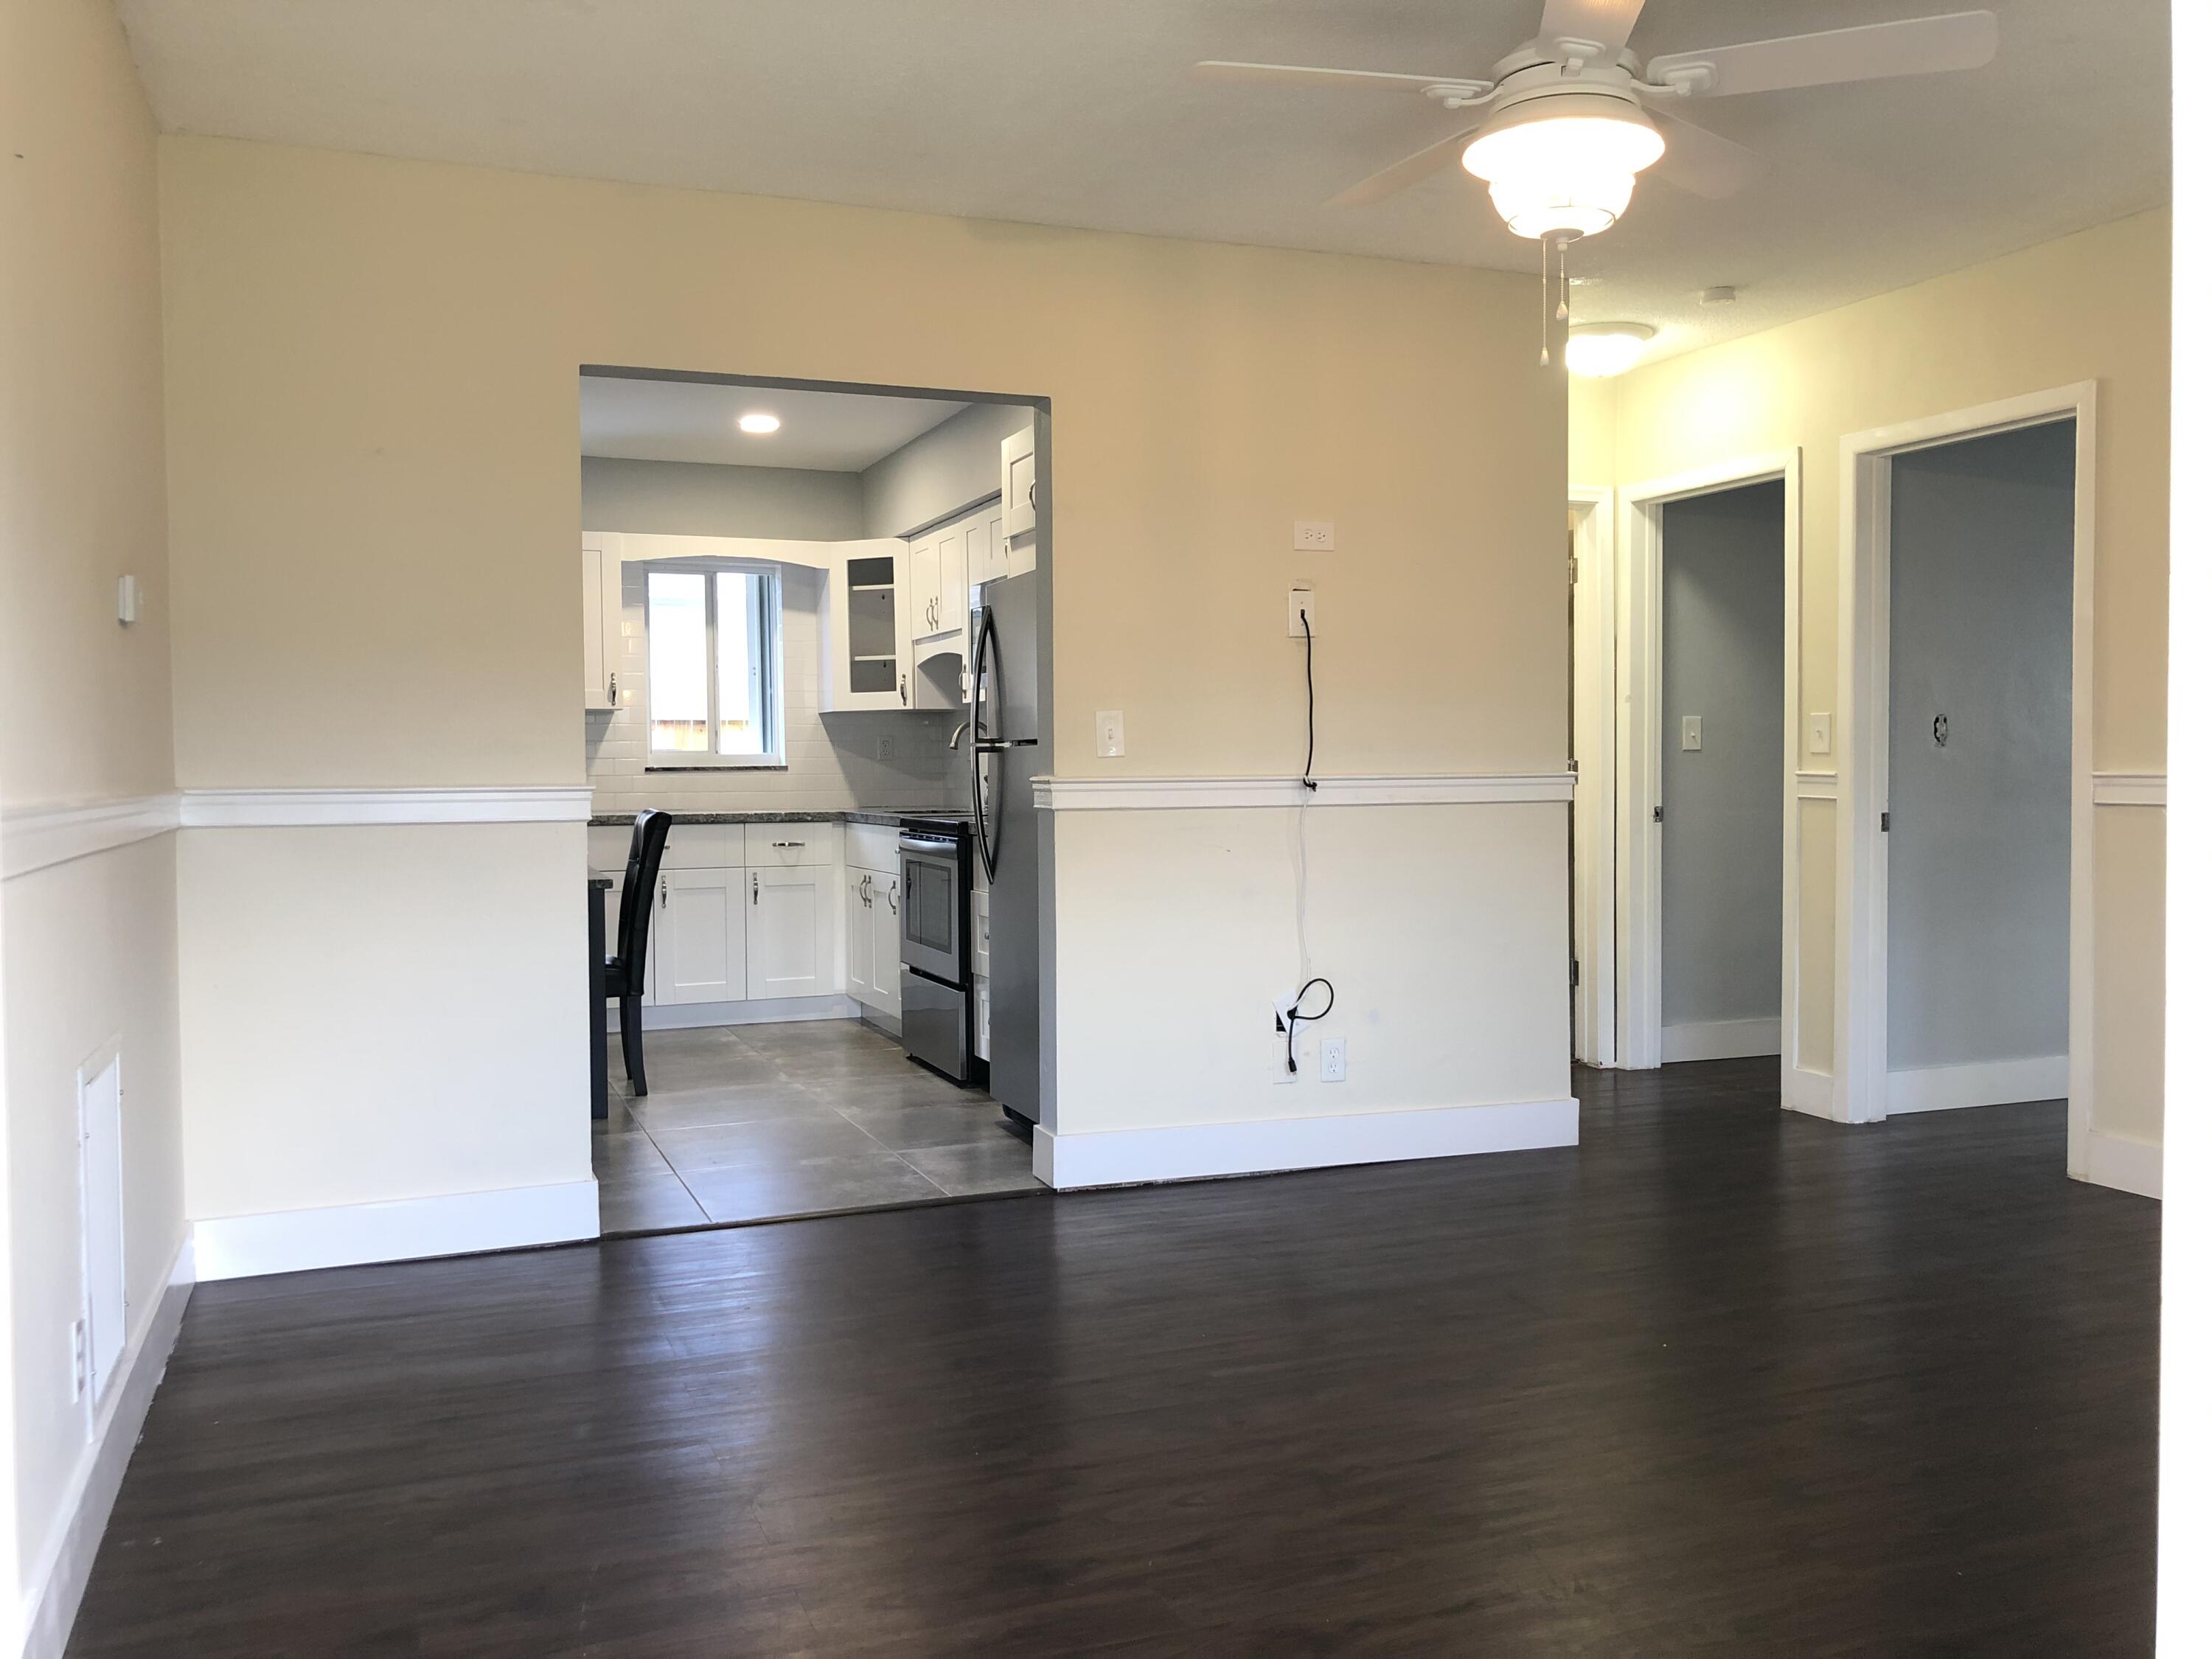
(1544, 299)
(1560, 315)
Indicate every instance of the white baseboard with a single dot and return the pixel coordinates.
(402, 1230)
(1119, 1157)
(55, 1582)
(775, 1011)
(1720, 1039)
(1984, 1083)
(1811, 1092)
(2132, 1166)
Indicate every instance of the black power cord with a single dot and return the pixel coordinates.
(1289, 1022)
(1307, 778)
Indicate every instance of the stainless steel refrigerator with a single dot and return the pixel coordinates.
(1004, 749)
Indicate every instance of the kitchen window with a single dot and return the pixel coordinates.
(714, 665)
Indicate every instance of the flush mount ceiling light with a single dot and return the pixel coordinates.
(759, 423)
(1599, 349)
(1563, 164)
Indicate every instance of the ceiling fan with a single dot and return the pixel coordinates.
(1572, 117)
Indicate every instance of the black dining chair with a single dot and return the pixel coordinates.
(625, 972)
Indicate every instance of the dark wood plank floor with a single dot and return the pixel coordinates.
(1725, 1381)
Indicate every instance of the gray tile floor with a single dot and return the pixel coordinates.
(763, 1122)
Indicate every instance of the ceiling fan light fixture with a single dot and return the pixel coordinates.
(1565, 164)
(1600, 349)
(758, 423)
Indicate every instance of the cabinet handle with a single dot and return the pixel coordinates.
(894, 898)
(664, 892)
(756, 887)
(902, 688)
(610, 691)
(787, 843)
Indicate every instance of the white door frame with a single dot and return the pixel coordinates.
(1636, 797)
(1863, 745)
(1590, 512)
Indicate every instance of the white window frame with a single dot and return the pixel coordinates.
(771, 663)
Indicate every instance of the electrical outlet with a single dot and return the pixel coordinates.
(1313, 535)
(883, 749)
(1304, 618)
(80, 1361)
(1332, 1060)
(1308, 1055)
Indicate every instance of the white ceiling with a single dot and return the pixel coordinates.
(697, 421)
(1082, 112)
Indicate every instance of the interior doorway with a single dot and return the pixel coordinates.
(1966, 790)
(1721, 763)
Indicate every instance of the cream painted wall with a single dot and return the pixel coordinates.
(372, 412)
(88, 947)
(2036, 319)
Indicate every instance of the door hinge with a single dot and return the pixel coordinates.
(1885, 823)
(1658, 815)
(1574, 570)
(1574, 974)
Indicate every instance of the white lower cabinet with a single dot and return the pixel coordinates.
(699, 936)
(884, 912)
(791, 933)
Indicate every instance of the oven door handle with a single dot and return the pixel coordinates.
(929, 849)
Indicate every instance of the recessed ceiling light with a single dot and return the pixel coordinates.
(759, 423)
(1603, 348)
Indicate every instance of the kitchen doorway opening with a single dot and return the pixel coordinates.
(815, 626)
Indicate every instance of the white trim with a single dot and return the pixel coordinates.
(1642, 662)
(1720, 1039)
(2131, 1166)
(1812, 1093)
(1596, 1022)
(768, 1011)
(1181, 794)
(1862, 1047)
(1816, 786)
(55, 1584)
(40, 837)
(1980, 1083)
(235, 809)
(2128, 789)
(400, 1229)
(1120, 1157)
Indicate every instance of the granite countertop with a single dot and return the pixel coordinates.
(888, 817)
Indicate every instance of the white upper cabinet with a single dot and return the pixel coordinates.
(1017, 482)
(602, 595)
(868, 644)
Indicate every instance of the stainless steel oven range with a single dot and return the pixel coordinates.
(936, 860)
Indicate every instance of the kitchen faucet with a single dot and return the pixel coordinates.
(956, 731)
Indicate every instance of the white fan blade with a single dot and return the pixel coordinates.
(1411, 171)
(1917, 45)
(1296, 75)
(1605, 22)
(1702, 162)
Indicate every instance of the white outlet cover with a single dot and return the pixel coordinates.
(1313, 535)
(883, 749)
(1332, 1060)
(1302, 598)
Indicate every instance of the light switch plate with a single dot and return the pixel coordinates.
(1819, 739)
(1112, 740)
(1301, 600)
(1694, 732)
(1313, 535)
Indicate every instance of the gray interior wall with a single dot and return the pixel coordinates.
(1981, 631)
(1721, 869)
(953, 466)
(683, 498)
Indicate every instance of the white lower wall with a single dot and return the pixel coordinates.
(1442, 927)
(377, 1013)
(90, 947)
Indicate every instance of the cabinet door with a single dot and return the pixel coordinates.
(602, 599)
(868, 662)
(791, 940)
(1017, 482)
(885, 923)
(859, 938)
(921, 583)
(699, 937)
(994, 547)
(957, 573)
